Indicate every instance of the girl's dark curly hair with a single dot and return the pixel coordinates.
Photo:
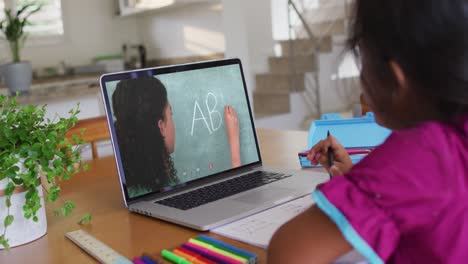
(138, 105)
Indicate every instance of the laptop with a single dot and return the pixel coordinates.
(186, 148)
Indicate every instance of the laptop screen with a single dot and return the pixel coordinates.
(175, 125)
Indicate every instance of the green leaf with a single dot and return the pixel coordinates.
(69, 205)
(66, 176)
(86, 167)
(57, 163)
(32, 154)
(65, 211)
(37, 205)
(9, 135)
(9, 189)
(10, 173)
(30, 194)
(53, 194)
(17, 181)
(27, 214)
(56, 213)
(37, 146)
(35, 218)
(24, 7)
(29, 162)
(8, 202)
(8, 220)
(85, 219)
(4, 242)
(49, 198)
(54, 189)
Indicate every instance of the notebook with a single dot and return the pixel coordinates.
(258, 229)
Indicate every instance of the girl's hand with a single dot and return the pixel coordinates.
(319, 154)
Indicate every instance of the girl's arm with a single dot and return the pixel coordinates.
(310, 237)
(232, 129)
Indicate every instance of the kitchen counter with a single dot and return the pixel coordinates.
(59, 95)
(58, 88)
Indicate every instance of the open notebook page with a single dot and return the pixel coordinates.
(258, 229)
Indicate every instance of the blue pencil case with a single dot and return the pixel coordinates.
(358, 133)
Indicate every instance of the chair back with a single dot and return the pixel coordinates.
(96, 130)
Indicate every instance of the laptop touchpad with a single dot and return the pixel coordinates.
(264, 196)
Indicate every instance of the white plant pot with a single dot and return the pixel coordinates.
(18, 76)
(22, 230)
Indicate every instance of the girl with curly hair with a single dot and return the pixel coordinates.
(146, 134)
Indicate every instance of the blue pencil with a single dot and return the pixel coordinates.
(147, 260)
(235, 249)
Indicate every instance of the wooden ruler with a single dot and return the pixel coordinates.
(100, 251)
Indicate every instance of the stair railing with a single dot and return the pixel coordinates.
(317, 42)
(312, 83)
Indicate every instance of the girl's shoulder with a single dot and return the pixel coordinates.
(416, 159)
(433, 132)
(432, 143)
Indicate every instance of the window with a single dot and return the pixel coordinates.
(2, 7)
(46, 22)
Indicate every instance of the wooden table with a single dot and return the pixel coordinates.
(98, 192)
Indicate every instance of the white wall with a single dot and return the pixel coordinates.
(190, 30)
(339, 78)
(248, 32)
(91, 28)
(240, 28)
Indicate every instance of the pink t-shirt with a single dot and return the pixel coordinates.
(406, 202)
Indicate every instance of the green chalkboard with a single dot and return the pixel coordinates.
(198, 98)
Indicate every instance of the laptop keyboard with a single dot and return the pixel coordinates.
(222, 190)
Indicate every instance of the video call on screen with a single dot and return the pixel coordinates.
(177, 127)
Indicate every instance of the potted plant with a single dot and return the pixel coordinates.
(18, 74)
(31, 145)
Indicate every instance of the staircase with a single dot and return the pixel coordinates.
(299, 59)
(273, 89)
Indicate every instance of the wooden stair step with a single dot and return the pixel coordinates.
(306, 46)
(328, 28)
(271, 104)
(278, 83)
(325, 13)
(302, 64)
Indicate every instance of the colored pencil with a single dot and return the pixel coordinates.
(209, 254)
(219, 251)
(226, 246)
